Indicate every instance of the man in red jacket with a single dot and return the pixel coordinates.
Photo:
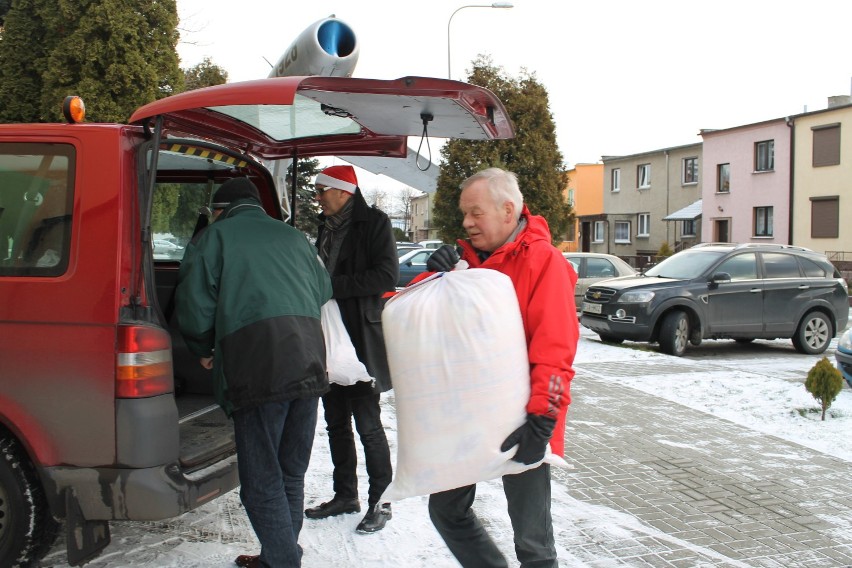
(504, 236)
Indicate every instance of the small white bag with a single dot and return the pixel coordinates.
(458, 360)
(342, 362)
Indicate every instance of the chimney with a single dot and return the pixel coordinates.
(839, 100)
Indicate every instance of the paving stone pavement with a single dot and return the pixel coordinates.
(710, 493)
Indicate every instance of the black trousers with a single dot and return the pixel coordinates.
(528, 498)
(340, 409)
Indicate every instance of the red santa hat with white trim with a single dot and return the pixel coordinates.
(338, 177)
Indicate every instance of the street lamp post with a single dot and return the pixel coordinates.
(450, 21)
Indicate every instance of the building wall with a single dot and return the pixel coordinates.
(422, 227)
(586, 181)
(748, 188)
(811, 182)
(666, 193)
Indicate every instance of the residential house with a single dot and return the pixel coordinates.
(640, 191)
(422, 226)
(746, 189)
(584, 192)
(822, 179)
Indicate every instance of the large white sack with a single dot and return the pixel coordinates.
(341, 360)
(458, 361)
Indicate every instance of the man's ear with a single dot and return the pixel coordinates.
(509, 210)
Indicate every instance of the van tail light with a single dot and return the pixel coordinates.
(143, 362)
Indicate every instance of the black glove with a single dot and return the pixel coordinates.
(531, 439)
(444, 259)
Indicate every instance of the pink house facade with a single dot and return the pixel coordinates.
(746, 189)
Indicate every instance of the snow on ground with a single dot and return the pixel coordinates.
(766, 394)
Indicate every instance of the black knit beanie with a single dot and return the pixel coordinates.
(233, 189)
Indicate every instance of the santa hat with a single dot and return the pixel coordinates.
(338, 177)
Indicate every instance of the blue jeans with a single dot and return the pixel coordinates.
(340, 409)
(274, 442)
(528, 499)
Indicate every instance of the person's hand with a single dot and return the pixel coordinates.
(207, 362)
(444, 259)
(531, 438)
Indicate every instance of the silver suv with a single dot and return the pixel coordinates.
(724, 291)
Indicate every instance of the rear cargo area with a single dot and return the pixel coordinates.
(206, 433)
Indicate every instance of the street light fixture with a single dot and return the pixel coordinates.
(450, 21)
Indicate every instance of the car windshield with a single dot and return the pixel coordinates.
(685, 265)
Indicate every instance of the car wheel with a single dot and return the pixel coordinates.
(813, 334)
(610, 339)
(27, 530)
(674, 333)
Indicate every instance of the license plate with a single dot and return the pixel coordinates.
(591, 308)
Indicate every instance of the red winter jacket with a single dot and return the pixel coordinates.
(544, 282)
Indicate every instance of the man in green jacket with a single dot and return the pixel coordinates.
(249, 295)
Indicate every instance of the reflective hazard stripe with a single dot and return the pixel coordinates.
(207, 154)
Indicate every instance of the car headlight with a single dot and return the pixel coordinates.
(636, 297)
(845, 342)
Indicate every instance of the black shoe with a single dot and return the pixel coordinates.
(248, 561)
(333, 508)
(375, 519)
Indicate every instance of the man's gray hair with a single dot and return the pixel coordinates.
(502, 185)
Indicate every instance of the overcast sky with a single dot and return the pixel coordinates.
(623, 76)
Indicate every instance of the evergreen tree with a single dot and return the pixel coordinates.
(307, 206)
(4, 9)
(116, 54)
(533, 155)
(23, 49)
(205, 74)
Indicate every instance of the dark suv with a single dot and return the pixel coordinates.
(724, 291)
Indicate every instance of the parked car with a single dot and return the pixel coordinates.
(724, 291)
(843, 356)
(431, 244)
(411, 264)
(106, 414)
(593, 267)
(402, 248)
(167, 249)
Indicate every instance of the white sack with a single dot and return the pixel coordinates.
(342, 362)
(458, 361)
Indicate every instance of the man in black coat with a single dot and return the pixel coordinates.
(356, 244)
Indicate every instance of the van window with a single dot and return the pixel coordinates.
(36, 197)
(175, 214)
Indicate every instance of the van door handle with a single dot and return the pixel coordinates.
(755, 290)
(804, 287)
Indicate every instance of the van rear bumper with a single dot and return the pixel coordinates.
(146, 494)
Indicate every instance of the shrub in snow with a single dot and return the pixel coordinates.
(824, 382)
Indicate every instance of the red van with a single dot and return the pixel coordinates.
(104, 414)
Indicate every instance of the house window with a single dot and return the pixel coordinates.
(571, 197)
(690, 170)
(825, 217)
(687, 228)
(643, 225)
(622, 231)
(599, 232)
(616, 180)
(764, 156)
(643, 176)
(723, 178)
(826, 145)
(763, 221)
